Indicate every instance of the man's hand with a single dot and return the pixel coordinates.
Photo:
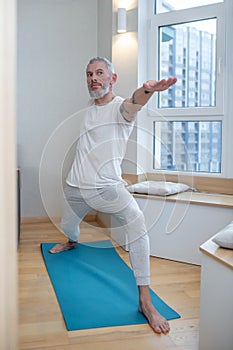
(144, 93)
(159, 85)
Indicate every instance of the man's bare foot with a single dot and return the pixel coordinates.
(157, 322)
(61, 247)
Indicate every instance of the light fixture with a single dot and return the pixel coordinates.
(121, 20)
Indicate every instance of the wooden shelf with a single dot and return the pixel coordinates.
(222, 255)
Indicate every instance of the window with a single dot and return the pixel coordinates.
(194, 63)
(187, 146)
(187, 134)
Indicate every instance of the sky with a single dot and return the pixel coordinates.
(181, 4)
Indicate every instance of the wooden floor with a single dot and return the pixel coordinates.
(41, 326)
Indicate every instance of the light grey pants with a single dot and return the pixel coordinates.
(117, 201)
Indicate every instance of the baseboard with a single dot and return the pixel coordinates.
(35, 220)
(92, 216)
(100, 222)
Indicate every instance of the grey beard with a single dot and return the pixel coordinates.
(99, 94)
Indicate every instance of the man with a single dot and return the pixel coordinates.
(95, 182)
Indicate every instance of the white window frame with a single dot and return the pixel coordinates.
(147, 70)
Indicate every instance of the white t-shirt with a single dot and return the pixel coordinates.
(101, 146)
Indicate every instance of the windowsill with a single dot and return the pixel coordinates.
(199, 198)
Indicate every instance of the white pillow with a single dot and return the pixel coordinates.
(224, 238)
(159, 188)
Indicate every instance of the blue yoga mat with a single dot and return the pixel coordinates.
(96, 288)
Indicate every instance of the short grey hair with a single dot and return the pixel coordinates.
(103, 59)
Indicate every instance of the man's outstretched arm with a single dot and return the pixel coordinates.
(144, 93)
(141, 96)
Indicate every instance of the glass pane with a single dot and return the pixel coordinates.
(188, 146)
(188, 51)
(172, 5)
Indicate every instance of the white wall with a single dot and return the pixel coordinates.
(8, 248)
(105, 28)
(55, 41)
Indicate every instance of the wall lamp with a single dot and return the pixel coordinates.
(121, 20)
